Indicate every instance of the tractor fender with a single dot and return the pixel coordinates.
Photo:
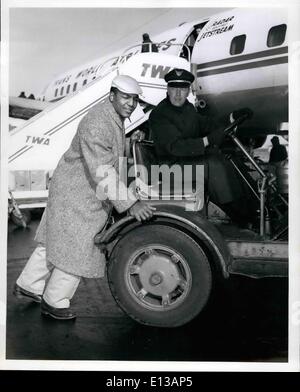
(190, 222)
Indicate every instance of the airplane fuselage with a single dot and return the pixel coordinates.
(242, 61)
(239, 57)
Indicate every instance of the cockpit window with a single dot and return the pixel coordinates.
(237, 44)
(276, 35)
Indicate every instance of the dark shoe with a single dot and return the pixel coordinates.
(57, 313)
(20, 293)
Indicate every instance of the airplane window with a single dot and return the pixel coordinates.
(68, 89)
(84, 82)
(75, 86)
(56, 91)
(276, 35)
(237, 44)
(62, 91)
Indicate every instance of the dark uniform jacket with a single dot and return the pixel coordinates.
(178, 134)
(178, 131)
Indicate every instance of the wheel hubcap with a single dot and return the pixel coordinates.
(158, 277)
(155, 279)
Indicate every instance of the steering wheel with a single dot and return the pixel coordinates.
(230, 129)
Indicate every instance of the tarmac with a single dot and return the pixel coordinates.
(247, 322)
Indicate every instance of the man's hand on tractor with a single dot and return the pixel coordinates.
(141, 211)
(216, 137)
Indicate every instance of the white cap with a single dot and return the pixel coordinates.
(126, 84)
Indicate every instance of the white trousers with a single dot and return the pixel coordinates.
(40, 277)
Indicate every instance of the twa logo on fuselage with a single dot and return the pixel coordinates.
(154, 71)
(38, 140)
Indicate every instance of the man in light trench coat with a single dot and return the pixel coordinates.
(82, 193)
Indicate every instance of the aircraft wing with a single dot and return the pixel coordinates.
(25, 108)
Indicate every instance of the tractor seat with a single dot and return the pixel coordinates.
(155, 180)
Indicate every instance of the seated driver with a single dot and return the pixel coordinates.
(181, 135)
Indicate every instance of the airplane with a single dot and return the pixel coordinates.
(239, 58)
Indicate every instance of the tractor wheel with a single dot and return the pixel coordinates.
(159, 276)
